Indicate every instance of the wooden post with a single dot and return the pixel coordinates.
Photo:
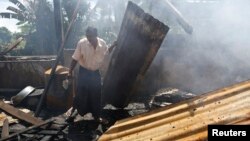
(5, 129)
(58, 24)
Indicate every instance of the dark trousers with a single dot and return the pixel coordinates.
(88, 95)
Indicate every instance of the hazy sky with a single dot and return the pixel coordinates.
(9, 23)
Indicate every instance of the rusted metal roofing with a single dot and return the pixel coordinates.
(187, 120)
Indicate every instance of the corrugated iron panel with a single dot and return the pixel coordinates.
(187, 120)
(139, 39)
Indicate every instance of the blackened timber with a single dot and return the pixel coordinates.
(27, 129)
(19, 114)
(139, 39)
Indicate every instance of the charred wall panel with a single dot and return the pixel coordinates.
(19, 72)
(139, 39)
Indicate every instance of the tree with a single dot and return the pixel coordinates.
(108, 16)
(5, 37)
(79, 26)
(21, 13)
(45, 27)
(36, 20)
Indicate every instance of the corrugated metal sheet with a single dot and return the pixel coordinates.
(187, 120)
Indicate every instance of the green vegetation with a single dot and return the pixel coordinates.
(36, 22)
(5, 37)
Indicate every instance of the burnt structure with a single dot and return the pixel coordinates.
(139, 39)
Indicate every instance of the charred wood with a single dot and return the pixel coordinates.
(139, 39)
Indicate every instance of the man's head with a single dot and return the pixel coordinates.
(91, 33)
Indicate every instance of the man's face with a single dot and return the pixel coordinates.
(91, 37)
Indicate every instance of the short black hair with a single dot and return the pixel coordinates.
(91, 31)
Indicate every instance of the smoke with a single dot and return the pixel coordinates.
(214, 56)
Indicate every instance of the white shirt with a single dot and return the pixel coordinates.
(87, 56)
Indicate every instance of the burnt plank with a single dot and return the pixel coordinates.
(139, 39)
(19, 114)
(27, 129)
(5, 129)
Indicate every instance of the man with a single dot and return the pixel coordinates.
(89, 53)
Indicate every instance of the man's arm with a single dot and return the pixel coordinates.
(72, 66)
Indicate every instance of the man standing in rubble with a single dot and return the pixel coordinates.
(89, 53)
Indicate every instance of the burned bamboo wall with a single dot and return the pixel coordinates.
(139, 39)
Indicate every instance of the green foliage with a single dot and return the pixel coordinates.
(5, 38)
(107, 17)
(45, 28)
(79, 26)
(20, 13)
(69, 7)
(36, 21)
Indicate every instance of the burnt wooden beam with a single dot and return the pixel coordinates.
(27, 129)
(139, 39)
(19, 114)
(58, 24)
(45, 132)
